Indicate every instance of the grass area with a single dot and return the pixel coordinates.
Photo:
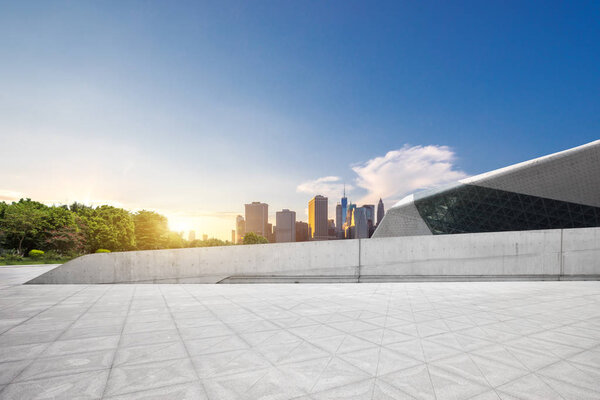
(31, 261)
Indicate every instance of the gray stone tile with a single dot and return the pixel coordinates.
(149, 353)
(87, 385)
(63, 347)
(67, 365)
(10, 370)
(529, 386)
(139, 377)
(186, 391)
(22, 352)
(414, 381)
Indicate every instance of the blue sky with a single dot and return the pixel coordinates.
(195, 108)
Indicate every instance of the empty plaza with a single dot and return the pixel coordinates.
(467, 340)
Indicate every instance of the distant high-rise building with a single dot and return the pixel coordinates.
(317, 218)
(240, 228)
(205, 237)
(301, 231)
(285, 228)
(331, 229)
(192, 236)
(380, 211)
(338, 217)
(233, 236)
(344, 206)
(257, 216)
(269, 233)
(359, 223)
(370, 212)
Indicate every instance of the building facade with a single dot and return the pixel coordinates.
(257, 216)
(301, 231)
(240, 228)
(380, 211)
(557, 191)
(317, 218)
(285, 226)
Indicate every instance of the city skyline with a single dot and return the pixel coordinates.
(192, 109)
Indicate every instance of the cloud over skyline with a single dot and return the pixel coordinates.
(392, 176)
(328, 186)
(406, 170)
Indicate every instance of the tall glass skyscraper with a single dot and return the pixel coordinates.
(344, 206)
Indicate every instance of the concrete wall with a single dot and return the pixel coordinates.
(546, 254)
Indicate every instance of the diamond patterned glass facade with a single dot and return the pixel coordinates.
(470, 209)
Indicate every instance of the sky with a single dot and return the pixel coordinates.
(193, 109)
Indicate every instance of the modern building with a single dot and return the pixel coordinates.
(205, 237)
(359, 227)
(233, 236)
(240, 228)
(301, 231)
(257, 216)
(339, 221)
(370, 213)
(317, 218)
(344, 204)
(561, 190)
(380, 212)
(331, 229)
(269, 234)
(192, 236)
(285, 228)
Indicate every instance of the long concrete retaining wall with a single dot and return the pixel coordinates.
(546, 254)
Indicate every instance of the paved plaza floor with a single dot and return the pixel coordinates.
(503, 340)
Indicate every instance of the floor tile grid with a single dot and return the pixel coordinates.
(33, 360)
(332, 355)
(119, 342)
(25, 300)
(216, 316)
(533, 372)
(183, 341)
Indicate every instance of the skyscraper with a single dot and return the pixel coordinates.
(240, 228)
(233, 236)
(339, 222)
(317, 218)
(257, 215)
(380, 211)
(192, 236)
(344, 206)
(285, 228)
(359, 223)
(301, 231)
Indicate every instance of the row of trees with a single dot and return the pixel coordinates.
(77, 229)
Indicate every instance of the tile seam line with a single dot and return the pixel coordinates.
(118, 343)
(183, 341)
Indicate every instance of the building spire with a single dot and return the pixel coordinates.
(344, 189)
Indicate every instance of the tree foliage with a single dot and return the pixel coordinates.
(151, 230)
(71, 230)
(254, 238)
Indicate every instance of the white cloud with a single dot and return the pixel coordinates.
(328, 186)
(406, 170)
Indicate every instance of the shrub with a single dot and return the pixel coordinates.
(36, 254)
(51, 255)
(12, 255)
(102, 251)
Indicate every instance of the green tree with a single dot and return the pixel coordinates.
(108, 227)
(22, 223)
(174, 241)
(151, 230)
(254, 238)
(212, 242)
